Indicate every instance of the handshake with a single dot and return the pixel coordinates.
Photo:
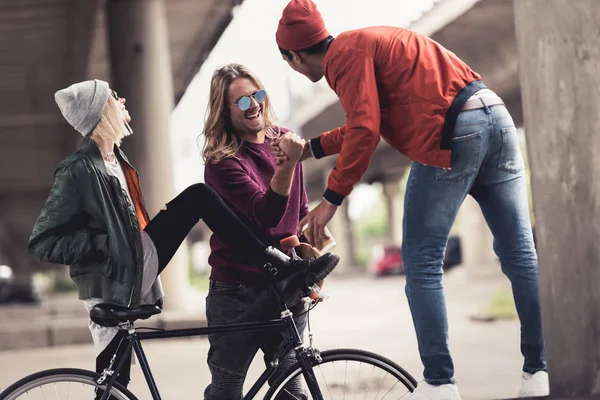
(291, 148)
(288, 150)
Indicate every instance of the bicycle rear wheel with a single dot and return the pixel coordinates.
(62, 383)
(345, 373)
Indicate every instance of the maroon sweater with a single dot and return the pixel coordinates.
(245, 185)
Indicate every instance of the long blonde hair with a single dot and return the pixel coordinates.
(220, 140)
(111, 127)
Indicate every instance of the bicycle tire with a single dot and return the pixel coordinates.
(62, 375)
(361, 356)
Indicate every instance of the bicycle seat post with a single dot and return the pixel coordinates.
(126, 326)
(110, 370)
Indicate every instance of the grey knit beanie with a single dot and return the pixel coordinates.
(82, 104)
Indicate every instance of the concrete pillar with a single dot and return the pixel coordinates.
(341, 228)
(559, 47)
(475, 236)
(393, 194)
(141, 71)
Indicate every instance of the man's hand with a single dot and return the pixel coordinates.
(289, 147)
(306, 153)
(317, 219)
(280, 156)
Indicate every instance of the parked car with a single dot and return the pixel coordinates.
(387, 260)
(6, 281)
(15, 289)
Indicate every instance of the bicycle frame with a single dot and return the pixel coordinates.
(286, 322)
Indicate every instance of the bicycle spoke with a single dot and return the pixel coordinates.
(337, 380)
(381, 385)
(62, 384)
(359, 367)
(352, 379)
(390, 391)
(345, 376)
(291, 394)
(369, 384)
(326, 385)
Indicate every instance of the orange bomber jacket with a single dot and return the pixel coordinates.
(394, 84)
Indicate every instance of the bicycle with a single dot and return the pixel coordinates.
(309, 361)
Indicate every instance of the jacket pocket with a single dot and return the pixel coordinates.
(104, 264)
(111, 269)
(98, 267)
(510, 159)
(101, 245)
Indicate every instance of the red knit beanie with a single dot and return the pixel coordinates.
(301, 26)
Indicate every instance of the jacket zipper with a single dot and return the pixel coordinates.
(135, 247)
(137, 256)
(131, 222)
(123, 198)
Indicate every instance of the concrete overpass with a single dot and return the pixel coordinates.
(149, 50)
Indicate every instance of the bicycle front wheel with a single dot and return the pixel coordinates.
(62, 383)
(346, 373)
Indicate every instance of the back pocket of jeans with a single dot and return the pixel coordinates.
(465, 158)
(511, 159)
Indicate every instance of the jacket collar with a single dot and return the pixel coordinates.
(91, 149)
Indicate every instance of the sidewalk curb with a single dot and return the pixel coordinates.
(69, 331)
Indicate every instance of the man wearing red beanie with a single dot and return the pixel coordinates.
(425, 102)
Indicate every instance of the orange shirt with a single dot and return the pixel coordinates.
(392, 83)
(135, 192)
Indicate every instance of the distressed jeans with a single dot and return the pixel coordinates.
(487, 164)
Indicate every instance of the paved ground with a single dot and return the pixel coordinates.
(361, 312)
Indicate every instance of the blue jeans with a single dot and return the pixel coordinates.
(487, 164)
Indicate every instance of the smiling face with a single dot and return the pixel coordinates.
(250, 121)
(229, 121)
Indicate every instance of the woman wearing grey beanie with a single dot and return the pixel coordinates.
(95, 221)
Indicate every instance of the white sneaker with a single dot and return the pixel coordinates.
(425, 391)
(534, 385)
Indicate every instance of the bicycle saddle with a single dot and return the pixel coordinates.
(109, 315)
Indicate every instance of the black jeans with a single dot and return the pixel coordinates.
(169, 228)
(231, 354)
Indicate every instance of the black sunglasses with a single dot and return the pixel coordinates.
(114, 95)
